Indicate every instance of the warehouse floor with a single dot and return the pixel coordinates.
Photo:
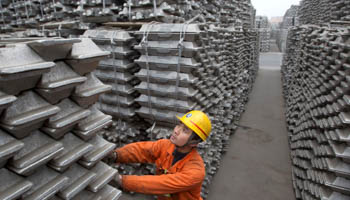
(257, 164)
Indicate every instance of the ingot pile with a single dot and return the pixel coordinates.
(323, 11)
(316, 88)
(49, 147)
(290, 19)
(263, 26)
(238, 13)
(81, 15)
(237, 80)
(119, 72)
(31, 13)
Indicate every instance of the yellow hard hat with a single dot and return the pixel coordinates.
(198, 122)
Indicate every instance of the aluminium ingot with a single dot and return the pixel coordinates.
(85, 56)
(65, 120)
(19, 62)
(90, 126)
(59, 83)
(38, 150)
(13, 186)
(52, 49)
(88, 92)
(27, 114)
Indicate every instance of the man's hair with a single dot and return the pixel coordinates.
(196, 138)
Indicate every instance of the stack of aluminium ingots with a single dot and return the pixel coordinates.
(6, 17)
(118, 70)
(49, 146)
(168, 11)
(175, 73)
(178, 62)
(239, 13)
(262, 24)
(246, 14)
(324, 11)
(316, 12)
(31, 13)
(340, 10)
(316, 88)
(93, 11)
(290, 18)
(236, 76)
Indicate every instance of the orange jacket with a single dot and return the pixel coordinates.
(183, 180)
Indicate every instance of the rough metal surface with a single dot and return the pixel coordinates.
(26, 114)
(316, 94)
(37, 151)
(59, 83)
(92, 124)
(45, 164)
(79, 178)
(74, 149)
(19, 62)
(65, 120)
(9, 146)
(15, 185)
(85, 56)
(53, 48)
(88, 93)
(46, 182)
(6, 100)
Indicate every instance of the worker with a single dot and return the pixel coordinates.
(180, 170)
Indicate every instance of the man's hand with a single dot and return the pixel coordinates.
(118, 179)
(111, 157)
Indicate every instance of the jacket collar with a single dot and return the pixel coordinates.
(171, 149)
(180, 163)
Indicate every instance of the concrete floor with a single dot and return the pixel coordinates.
(257, 165)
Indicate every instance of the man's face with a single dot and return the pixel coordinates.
(180, 135)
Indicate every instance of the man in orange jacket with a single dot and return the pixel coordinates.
(180, 169)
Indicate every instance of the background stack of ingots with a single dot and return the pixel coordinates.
(263, 25)
(49, 147)
(316, 87)
(290, 19)
(83, 14)
(147, 77)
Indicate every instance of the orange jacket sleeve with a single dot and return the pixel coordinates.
(139, 152)
(191, 175)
